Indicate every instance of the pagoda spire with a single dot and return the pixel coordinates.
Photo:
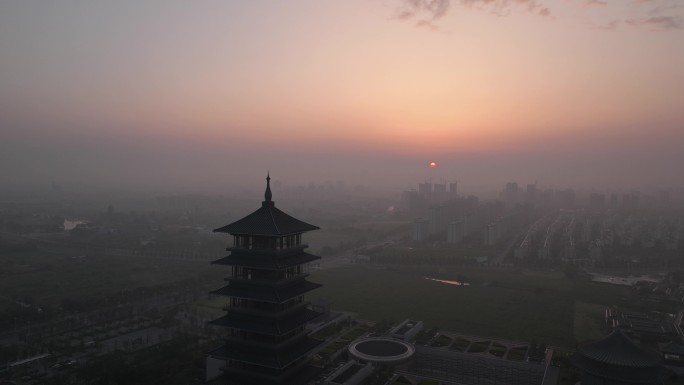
(268, 195)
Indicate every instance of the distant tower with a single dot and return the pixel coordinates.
(266, 315)
(453, 189)
(420, 229)
(456, 230)
(425, 190)
(597, 201)
(439, 192)
(436, 220)
(510, 193)
(491, 234)
(531, 193)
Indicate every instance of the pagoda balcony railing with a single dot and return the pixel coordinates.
(269, 251)
(268, 282)
(265, 312)
(267, 342)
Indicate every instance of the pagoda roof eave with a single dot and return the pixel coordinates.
(265, 325)
(276, 359)
(268, 294)
(267, 221)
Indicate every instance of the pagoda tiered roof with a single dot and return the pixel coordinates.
(268, 221)
(271, 358)
(268, 342)
(266, 325)
(268, 294)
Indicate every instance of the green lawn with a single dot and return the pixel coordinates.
(589, 318)
(49, 278)
(500, 304)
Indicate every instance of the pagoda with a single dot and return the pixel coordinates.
(266, 340)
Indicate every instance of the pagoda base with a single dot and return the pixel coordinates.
(302, 376)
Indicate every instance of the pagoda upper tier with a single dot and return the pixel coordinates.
(267, 221)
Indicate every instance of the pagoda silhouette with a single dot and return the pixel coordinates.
(266, 340)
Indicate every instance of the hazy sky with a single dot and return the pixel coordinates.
(195, 95)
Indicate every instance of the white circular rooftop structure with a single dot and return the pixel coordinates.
(381, 350)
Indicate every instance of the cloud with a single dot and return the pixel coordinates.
(428, 12)
(503, 7)
(609, 26)
(427, 24)
(423, 9)
(659, 23)
(652, 15)
(662, 15)
(655, 15)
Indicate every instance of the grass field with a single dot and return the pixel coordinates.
(500, 304)
(49, 278)
(588, 321)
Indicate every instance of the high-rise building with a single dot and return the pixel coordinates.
(439, 192)
(491, 234)
(456, 230)
(531, 193)
(425, 189)
(437, 220)
(597, 201)
(266, 341)
(614, 201)
(510, 193)
(453, 189)
(420, 229)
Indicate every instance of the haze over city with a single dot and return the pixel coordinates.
(349, 192)
(188, 96)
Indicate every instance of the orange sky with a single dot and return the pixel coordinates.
(380, 77)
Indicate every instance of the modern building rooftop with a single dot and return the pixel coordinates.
(616, 359)
(381, 350)
(618, 349)
(347, 373)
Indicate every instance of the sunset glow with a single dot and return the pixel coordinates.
(349, 77)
